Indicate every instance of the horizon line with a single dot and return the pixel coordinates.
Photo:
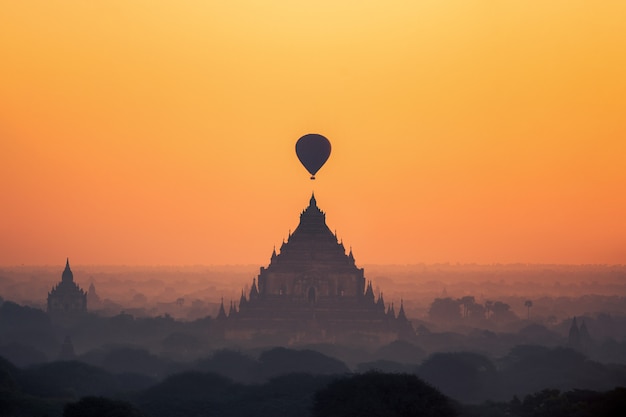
(362, 265)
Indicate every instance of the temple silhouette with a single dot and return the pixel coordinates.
(312, 291)
(67, 298)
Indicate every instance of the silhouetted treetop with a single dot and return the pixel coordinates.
(231, 364)
(280, 361)
(101, 407)
(67, 379)
(445, 309)
(375, 394)
(401, 351)
(464, 376)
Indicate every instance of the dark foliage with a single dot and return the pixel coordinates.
(67, 379)
(288, 395)
(445, 310)
(376, 394)
(44, 391)
(204, 394)
(14, 402)
(533, 368)
(385, 366)
(231, 364)
(554, 403)
(7, 375)
(401, 351)
(271, 363)
(22, 355)
(189, 394)
(182, 342)
(76, 379)
(465, 376)
(282, 361)
(137, 361)
(101, 407)
(27, 326)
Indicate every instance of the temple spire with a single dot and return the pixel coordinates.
(401, 314)
(574, 336)
(67, 275)
(369, 292)
(221, 315)
(254, 292)
(381, 302)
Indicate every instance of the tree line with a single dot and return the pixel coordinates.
(450, 309)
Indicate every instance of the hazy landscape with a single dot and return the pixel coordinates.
(558, 292)
(153, 330)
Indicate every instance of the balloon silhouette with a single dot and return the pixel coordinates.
(313, 151)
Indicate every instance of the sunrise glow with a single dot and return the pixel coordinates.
(154, 132)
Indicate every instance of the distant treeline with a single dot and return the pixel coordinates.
(73, 389)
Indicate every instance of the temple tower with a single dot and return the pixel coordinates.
(67, 298)
(312, 290)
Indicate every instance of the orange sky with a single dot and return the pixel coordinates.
(160, 132)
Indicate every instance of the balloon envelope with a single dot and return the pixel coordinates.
(313, 151)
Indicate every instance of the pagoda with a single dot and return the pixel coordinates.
(312, 291)
(67, 298)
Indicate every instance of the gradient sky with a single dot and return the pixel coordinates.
(162, 132)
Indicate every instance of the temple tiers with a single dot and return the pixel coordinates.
(312, 291)
(67, 297)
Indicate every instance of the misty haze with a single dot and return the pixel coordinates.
(311, 326)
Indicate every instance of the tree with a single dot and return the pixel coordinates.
(488, 307)
(100, 407)
(466, 302)
(502, 312)
(231, 364)
(281, 361)
(476, 311)
(378, 394)
(528, 305)
(445, 309)
(464, 376)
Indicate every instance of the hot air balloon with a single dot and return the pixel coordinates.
(313, 151)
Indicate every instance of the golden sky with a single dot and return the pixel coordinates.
(163, 132)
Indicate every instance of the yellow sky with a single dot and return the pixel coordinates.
(159, 132)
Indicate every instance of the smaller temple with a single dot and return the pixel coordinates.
(579, 337)
(67, 297)
(93, 299)
(67, 350)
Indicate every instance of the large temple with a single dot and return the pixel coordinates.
(312, 291)
(67, 298)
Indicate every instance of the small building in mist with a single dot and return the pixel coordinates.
(67, 298)
(313, 292)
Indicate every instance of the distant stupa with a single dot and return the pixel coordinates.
(573, 339)
(67, 298)
(67, 350)
(312, 291)
(93, 299)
